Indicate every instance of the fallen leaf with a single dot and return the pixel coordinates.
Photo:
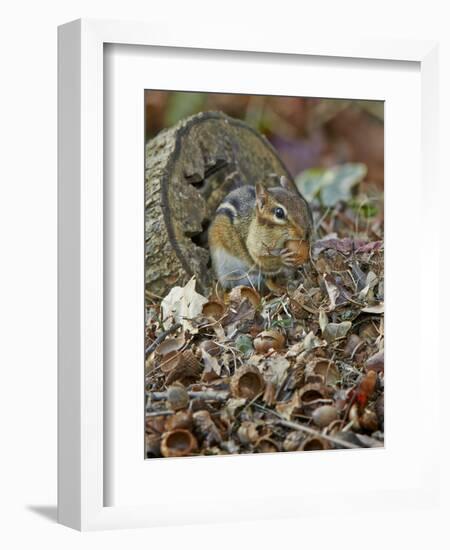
(330, 184)
(373, 246)
(336, 331)
(323, 320)
(244, 344)
(377, 309)
(332, 291)
(211, 363)
(311, 341)
(288, 408)
(276, 367)
(181, 305)
(371, 281)
(346, 245)
(376, 362)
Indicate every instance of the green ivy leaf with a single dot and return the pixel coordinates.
(309, 182)
(244, 344)
(340, 183)
(331, 185)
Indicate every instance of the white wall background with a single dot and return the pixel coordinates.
(28, 270)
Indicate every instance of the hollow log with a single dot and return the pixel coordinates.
(189, 168)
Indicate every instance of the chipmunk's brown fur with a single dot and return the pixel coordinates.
(248, 234)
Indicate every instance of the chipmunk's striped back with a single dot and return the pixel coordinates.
(238, 203)
(227, 239)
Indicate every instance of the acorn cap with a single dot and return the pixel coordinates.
(214, 310)
(178, 443)
(247, 382)
(314, 444)
(311, 392)
(267, 445)
(240, 293)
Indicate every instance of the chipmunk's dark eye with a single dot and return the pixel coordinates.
(279, 213)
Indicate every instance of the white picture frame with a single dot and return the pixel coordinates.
(82, 482)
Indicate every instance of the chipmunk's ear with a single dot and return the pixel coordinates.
(288, 184)
(261, 196)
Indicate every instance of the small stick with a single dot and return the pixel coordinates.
(159, 413)
(310, 431)
(162, 337)
(207, 395)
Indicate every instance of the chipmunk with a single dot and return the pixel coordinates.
(250, 231)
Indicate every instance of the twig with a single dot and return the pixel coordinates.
(309, 431)
(207, 395)
(159, 413)
(162, 337)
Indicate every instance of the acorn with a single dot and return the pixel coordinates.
(178, 443)
(324, 415)
(177, 397)
(369, 421)
(247, 382)
(300, 249)
(269, 339)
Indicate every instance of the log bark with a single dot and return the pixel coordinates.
(189, 169)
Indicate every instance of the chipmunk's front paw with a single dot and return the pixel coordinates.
(289, 258)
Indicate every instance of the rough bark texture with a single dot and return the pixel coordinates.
(189, 169)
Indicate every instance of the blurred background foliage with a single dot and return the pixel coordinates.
(334, 148)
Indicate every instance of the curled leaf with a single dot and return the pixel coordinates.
(181, 305)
